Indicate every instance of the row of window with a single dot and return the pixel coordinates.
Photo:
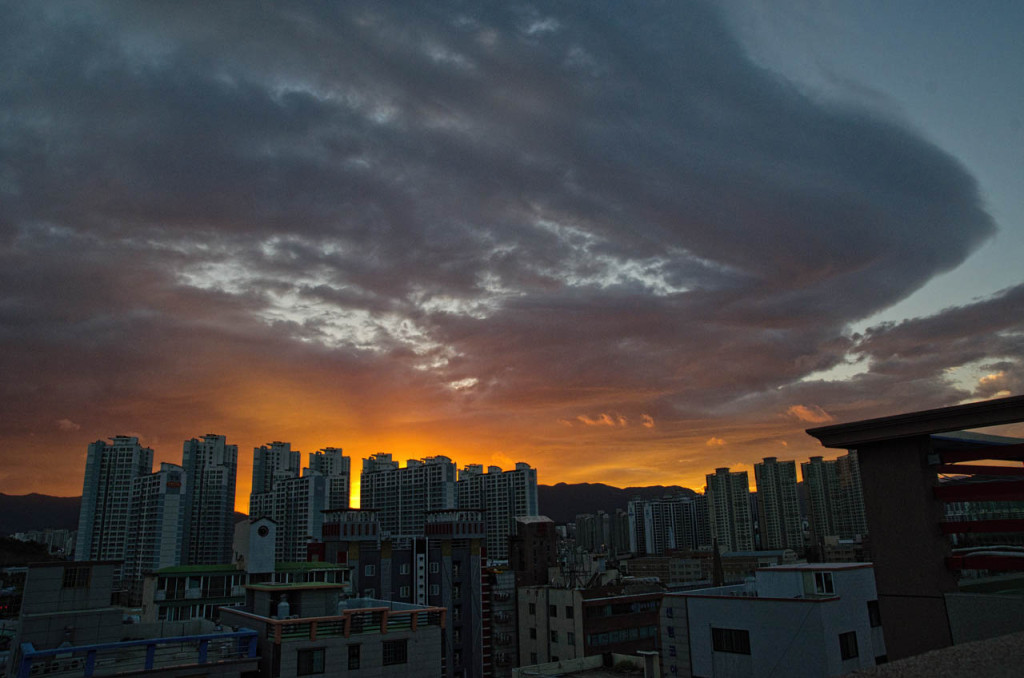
(312, 661)
(621, 635)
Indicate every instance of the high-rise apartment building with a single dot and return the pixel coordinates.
(107, 495)
(297, 506)
(728, 495)
(502, 496)
(834, 497)
(157, 524)
(272, 462)
(778, 507)
(211, 467)
(403, 496)
(331, 462)
(674, 522)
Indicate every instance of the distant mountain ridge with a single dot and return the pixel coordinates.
(23, 512)
(562, 502)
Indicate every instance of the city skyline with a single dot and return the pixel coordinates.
(624, 245)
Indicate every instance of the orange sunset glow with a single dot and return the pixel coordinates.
(624, 246)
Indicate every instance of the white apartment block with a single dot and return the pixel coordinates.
(273, 462)
(211, 467)
(156, 522)
(403, 496)
(809, 619)
(331, 462)
(777, 505)
(296, 505)
(728, 496)
(671, 522)
(502, 495)
(106, 496)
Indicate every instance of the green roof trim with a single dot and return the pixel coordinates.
(306, 566)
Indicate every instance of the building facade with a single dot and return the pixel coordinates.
(211, 468)
(503, 496)
(110, 469)
(332, 463)
(402, 496)
(778, 507)
(728, 496)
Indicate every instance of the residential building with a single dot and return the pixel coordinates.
(107, 494)
(818, 619)
(211, 467)
(835, 499)
(308, 629)
(503, 496)
(403, 496)
(442, 567)
(728, 497)
(674, 522)
(332, 463)
(778, 507)
(272, 462)
(533, 550)
(565, 623)
(296, 505)
(67, 626)
(156, 525)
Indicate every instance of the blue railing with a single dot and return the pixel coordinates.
(135, 655)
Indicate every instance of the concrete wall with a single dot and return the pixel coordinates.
(977, 616)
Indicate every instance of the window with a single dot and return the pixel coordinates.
(403, 592)
(369, 593)
(823, 582)
(456, 613)
(736, 641)
(310, 661)
(552, 610)
(456, 591)
(533, 657)
(435, 589)
(874, 616)
(403, 568)
(569, 612)
(395, 652)
(369, 571)
(671, 650)
(353, 657)
(76, 577)
(456, 566)
(434, 568)
(457, 637)
(570, 638)
(554, 636)
(533, 633)
(555, 658)
(848, 645)
(533, 608)
(668, 612)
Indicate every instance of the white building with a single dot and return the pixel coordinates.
(211, 467)
(777, 505)
(809, 619)
(296, 505)
(502, 495)
(272, 462)
(330, 462)
(156, 524)
(403, 496)
(728, 495)
(668, 523)
(106, 496)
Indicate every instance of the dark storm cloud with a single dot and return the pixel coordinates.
(582, 208)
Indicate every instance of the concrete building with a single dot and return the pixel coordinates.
(559, 624)
(442, 568)
(503, 496)
(501, 632)
(728, 496)
(835, 499)
(211, 467)
(67, 626)
(308, 629)
(533, 550)
(919, 575)
(332, 463)
(157, 521)
(778, 508)
(272, 462)
(403, 496)
(797, 620)
(677, 522)
(107, 494)
(296, 505)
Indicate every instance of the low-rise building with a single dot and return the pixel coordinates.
(808, 619)
(307, 629)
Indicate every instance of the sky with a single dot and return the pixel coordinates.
(623, 242)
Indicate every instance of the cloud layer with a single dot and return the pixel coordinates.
(455, 228)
